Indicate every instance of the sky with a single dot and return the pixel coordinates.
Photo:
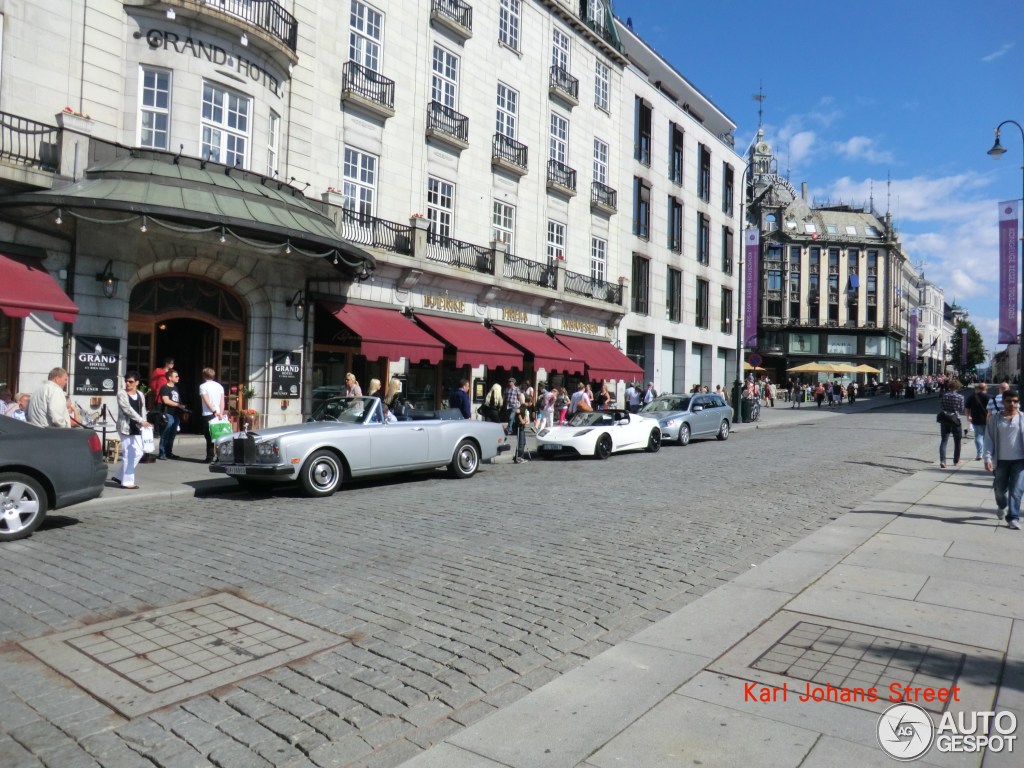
(896, 99)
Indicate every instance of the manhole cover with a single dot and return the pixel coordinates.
(139, 663)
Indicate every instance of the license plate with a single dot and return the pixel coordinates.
(551, 447)
(232, 470)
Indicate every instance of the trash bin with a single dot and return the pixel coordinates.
(746, 408)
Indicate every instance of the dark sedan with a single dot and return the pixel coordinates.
(43, 469)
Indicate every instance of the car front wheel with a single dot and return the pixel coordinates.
(654, 441)
(723, 430)
(603, 448)
(321, 474)
(684, 434)
(22, 505)
(465, 461)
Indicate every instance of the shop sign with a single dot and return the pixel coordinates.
(514, 315)
(286, 381)
(97, 359)
(444, 303)
(580, 326)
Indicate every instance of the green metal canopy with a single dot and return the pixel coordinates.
(186, 191)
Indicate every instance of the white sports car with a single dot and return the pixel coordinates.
(600, 434)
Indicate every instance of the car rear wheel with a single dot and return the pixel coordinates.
(603, 448)
(654, 441)
(684, 434)
(465, 460)
(322, 474)
(723, 430)
(22, 505)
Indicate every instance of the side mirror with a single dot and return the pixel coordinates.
(698, 408)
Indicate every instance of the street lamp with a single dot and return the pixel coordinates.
(737, 387)
(998, 150)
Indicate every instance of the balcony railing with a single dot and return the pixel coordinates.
(591, 287)
(564, 83)
(529, 271)
(603, 196)
(456, 253)
(265, 14)
(447, 121)
(509, 151)
(377, 233)
(561, 175)
(454, 10)
(29, 143)
(371, 85)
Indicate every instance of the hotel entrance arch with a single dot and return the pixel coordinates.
(200, 323)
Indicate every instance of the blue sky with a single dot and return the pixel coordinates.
(909, 90)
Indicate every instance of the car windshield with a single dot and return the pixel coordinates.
(666, 404)
(349, 410)
(591, 419)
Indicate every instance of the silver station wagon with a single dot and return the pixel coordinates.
(682, 417)
(349, 437)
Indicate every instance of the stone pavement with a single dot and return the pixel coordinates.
(919, 587)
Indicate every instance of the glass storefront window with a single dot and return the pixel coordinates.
(803, 343)
(841, 345)
(874, 345)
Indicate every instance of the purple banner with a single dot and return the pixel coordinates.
(963, 348)
(1008, 272)
(751, 281)
(913, 336)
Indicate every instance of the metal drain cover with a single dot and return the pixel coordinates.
(139, 663)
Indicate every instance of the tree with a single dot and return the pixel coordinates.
(975, 345)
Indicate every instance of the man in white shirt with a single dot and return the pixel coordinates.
(48, 405)
(212, 395)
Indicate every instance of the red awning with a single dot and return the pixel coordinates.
(547, 353)
(27, 287)
(388, 333)
(603, 360)
(474, 344)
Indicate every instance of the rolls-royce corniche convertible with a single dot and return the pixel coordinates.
(349, 437)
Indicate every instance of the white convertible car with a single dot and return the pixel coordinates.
(600, 434)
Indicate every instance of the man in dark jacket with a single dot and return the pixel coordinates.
(460, 399)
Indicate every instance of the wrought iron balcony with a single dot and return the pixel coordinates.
(26, 142)
(564, 86)
(369, 89)
(561, 178)
(267, 15)
(509, 154)
(454, 15)
(368, 230)
(603, 197)
(592, 287)
(455, 253)
(447, 125)
(529, 271)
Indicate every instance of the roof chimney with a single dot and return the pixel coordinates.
(803, 191)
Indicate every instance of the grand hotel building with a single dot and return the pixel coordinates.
(285, 191)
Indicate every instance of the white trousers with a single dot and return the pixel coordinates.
(131, 455)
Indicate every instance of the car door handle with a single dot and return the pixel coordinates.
(417, 429)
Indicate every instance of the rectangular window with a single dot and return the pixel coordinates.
(273, 142)
(727, 189)
(703, 239)
(674, 295)
(507, 123)
(602, 85)
(640, 286)
(558, 142)
(225, 126)
(155, 109)
(503, 224)
(726, 310)
(560, 50)
(598, 258)
(642, 151)
(556, 241)
(728, 255)
(440, 206)
(702, 319)
(641, 208)
(704, 173)
(508, 23)
(366, 35)
(360, 181)
(675, 165)
(833, 261)
(444, 82)
(600, 161)
(675, 225)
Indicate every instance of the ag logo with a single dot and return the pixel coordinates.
(905, 731)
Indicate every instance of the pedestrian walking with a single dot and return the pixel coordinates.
(562, 405)
(131, 418)
(547, 409)
(977, 416)
(212, 395)
(769, 393)
(48, 405)
(1004, 457)
(952, 405)
(633, 398)
(819, 393)
(351, 387)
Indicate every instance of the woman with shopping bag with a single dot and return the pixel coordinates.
(131, 425)
(212, 394)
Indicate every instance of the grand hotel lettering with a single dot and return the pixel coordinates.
(160, 40)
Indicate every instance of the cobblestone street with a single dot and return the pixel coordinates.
(452, 598)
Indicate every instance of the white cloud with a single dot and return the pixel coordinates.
(801, 146)
(1005, 49)
(863, 148)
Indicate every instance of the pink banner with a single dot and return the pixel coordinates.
(751, 281)
(1008, 276)
(963, 348)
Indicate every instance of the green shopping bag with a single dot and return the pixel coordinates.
(219, 428)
